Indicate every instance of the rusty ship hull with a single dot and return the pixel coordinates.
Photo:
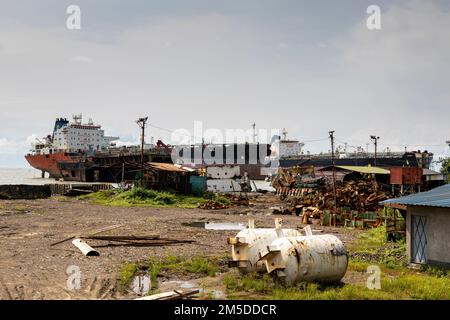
(100, 167)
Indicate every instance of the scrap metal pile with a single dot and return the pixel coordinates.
(297, 177)
(359, 195)
(212, 205)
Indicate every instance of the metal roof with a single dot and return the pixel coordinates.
(368, 169)
(166, 167)
(437, 197)
(360, 169)
(428, 172)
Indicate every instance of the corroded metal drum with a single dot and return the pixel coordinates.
(248, 244)
(321, 258)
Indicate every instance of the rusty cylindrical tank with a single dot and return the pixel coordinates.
(248, 244)
(321, 258)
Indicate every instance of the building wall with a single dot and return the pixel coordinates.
(222, 185)
(437, 230)
(223, 172)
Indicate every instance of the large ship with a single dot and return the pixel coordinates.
(77, 151)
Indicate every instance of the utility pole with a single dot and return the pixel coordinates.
(254, 132)
(141, 123)
(331, 133)
(375, 141)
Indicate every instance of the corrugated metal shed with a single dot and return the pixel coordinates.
(368, 169)
(438, 197)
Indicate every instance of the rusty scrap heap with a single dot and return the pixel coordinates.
(359, 195)
(297, 177)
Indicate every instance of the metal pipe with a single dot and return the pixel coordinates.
(86, 249)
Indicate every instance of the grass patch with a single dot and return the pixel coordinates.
(414, 286)
(168, 265)
(149, 198)
(173, 264)
(405, 286)
(126, 275)
(372, 247)
(20, 209)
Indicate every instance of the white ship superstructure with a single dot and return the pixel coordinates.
(78, 137)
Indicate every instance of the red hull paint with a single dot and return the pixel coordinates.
(48, 162)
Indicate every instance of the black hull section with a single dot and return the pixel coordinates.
(408, 160)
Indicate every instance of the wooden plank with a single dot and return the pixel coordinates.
(91, 234)
(170, 295)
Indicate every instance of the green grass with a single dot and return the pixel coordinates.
(169, 264)
(126, 274)
(402, 287)
(149, 198)
(198, 265)
(371, 246)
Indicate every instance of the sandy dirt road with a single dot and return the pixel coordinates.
(32, 269)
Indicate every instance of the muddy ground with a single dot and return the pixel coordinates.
(32, 269)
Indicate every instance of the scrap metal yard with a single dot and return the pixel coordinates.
(189, 251)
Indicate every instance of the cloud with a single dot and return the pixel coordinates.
(392, 82)
(10, 147)
(229, 72)
(82, 59)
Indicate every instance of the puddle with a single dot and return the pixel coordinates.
(175, 284)
(224, 226)
(195, 224)
(215, 225)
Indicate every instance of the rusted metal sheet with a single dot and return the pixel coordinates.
(248, 244)
(321, 258)
(406, 175)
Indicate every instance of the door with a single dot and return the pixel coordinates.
(418, 239)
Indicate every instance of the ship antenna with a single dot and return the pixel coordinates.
(284, 134)
(77, 118)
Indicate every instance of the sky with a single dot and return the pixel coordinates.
(307, 66)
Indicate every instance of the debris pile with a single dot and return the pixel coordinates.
(238, 200)
(297, 177)
(353, 195)
(151, 240)
(212, 205)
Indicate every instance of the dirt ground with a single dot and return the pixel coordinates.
(32, 269)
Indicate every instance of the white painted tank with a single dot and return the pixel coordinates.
(321, 258)
(249, 244)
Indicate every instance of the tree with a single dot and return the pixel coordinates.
(445, 168)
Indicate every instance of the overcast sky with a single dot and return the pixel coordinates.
(307, 66)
